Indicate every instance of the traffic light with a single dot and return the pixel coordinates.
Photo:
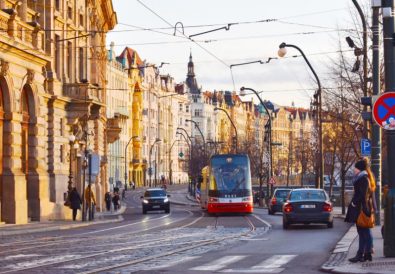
(367, 101)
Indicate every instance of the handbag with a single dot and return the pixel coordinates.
(364, 220)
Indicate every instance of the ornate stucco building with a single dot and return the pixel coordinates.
(52, 85)
(118, 108)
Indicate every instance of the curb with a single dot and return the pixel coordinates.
(340, 252)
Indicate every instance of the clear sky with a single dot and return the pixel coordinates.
(313, 25)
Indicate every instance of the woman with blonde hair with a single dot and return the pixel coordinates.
(363, 200)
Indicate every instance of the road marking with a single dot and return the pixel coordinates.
(174, 262)
(263, 221)
(270, 265)
(121, 226)
(218, 264)
(274, 261)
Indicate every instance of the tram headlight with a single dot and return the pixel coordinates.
(213, 200)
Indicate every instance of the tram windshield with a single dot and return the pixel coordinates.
(230, 177)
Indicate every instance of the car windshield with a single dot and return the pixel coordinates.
(155, 193)
(282, 193)
(307, 195)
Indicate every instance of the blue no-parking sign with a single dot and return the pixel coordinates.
(365, 147)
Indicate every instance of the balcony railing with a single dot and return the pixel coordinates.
(22, 32)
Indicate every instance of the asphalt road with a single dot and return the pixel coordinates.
(185, 241)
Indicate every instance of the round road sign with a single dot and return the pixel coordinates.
(384, 111)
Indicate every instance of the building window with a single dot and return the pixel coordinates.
(195, 100)
(81, 62)
(57, 5)
(198, 113)
(70, 13)
(57, 55)
(61, 127)
(81, 20)
(187, 109)
(69, 60)
(180, 107)
(61, 153)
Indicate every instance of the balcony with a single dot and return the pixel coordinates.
(27, 35)
(82, 92)
(113, 129)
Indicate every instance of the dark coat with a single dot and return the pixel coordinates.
(107, 197)
(75, 200)
(358, 201)
(115, 199)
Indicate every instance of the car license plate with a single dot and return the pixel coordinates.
(156, 206)
(307, 206)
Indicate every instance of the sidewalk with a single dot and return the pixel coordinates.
(347, 248)
(35, 227)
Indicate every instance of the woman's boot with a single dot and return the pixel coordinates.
(367, 256)
(358, 258)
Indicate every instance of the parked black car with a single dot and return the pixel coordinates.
(305, 206)
(155, 199)
(276, 202)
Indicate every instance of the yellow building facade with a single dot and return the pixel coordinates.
(41, 89)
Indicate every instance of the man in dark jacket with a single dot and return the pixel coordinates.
(75, 202)
(107, 199)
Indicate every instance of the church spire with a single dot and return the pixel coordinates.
(191, 80)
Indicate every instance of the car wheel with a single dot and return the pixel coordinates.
(167, 210)
(330, 225)
(144, 211)
(285, 225)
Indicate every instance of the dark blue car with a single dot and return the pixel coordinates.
(306, 206)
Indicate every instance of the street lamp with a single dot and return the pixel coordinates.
(190, 155)
(157, 140)
(126, 159)
(281, 53)
(197, 126)
(242, 93)
(234, 127)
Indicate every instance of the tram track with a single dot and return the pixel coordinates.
(165, 242)
(78, 238)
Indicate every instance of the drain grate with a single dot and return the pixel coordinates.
(381, 264)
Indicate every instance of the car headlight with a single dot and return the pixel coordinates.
(166, 200)
(145, 201)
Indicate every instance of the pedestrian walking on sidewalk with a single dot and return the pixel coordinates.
(115, 201)
(75, 202)
(107, 199)
(363, 201)
(90, 202)
(123, 194)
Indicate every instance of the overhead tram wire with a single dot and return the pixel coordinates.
(200, 46)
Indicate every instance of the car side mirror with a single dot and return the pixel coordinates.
(141, 197)
(168, 195)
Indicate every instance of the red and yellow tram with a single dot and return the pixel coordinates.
(226, 185)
